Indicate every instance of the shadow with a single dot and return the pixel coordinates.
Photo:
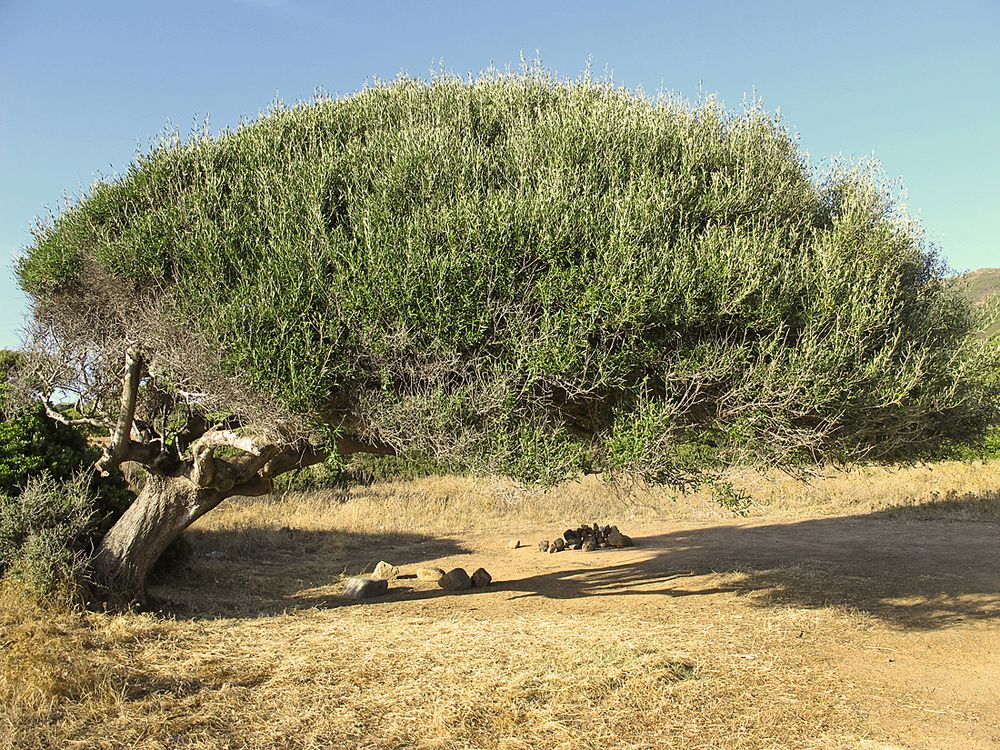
(921, 567)
(265, 571)
(916, 567)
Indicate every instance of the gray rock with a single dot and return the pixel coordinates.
(385, 570)
(429, 574)
(571, 535)
(615, 539)
(589, 545)
(627, 541)
(513, 544)
(543, 546)
(481, 578)
(363, 587)
(455, 580)
(559, 544)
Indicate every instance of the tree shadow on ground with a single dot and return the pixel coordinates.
(263, 571)
(919, 567)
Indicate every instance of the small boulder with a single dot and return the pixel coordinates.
(429, 574)
(543, 546)
(577, 544)
(513, 544)
(627, 541)
(363, 587)
(481, 578)
(559, 544)
(385, 570)
(589, 545)
(455, 580)
(553, 548)
(571, 535)
(615, 539)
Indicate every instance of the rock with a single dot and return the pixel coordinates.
(571, 536)
(627, 541)
(589, 545)
(385, 570)
(576, 545)
(363, 587)
(553, 548)
(543, 546)
(455, 580)
(481, 578)
(429, 574)
(615, 539)
(513, 544)
(559, 544)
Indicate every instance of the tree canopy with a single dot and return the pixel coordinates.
(514, 274)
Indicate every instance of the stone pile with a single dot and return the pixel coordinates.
(587, 538)
(377, 583)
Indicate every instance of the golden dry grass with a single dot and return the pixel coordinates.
(259, 652)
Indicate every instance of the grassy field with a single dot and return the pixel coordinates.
(858, 610)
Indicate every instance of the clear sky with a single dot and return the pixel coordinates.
(83, 85)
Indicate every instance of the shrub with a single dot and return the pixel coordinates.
(32, 443)
(46, 531)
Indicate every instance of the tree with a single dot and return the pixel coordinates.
(514, 274)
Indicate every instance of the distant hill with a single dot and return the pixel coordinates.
(982, 287)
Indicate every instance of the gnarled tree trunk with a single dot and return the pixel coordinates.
(185, 478)
(164, 508)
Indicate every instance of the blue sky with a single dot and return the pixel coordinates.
(84, 85)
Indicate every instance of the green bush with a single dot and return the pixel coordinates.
(45, 475)
(983, 449)
(46, 533)
(31, 443)
(528, 276)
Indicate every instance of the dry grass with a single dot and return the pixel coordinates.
(368, 678)
(244, 661)
(961, 491)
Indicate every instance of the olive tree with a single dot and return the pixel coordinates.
(513, 274)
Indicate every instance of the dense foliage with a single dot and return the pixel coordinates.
(525, 275)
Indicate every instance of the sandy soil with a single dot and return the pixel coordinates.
(893, 620)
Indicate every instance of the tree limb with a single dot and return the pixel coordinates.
(223, 474)
(118, 449)
(63, 419)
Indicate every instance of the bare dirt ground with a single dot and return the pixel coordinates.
(861, 611)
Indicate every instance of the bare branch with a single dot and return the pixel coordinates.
(117, 451)
(63, 419)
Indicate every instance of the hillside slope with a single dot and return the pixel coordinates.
(982, 287)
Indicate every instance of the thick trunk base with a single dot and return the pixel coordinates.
(164, 508)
